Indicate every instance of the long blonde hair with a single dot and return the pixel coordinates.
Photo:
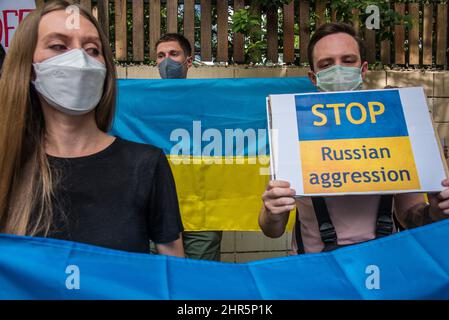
(26, 180)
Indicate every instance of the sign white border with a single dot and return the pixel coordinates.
(285, 152)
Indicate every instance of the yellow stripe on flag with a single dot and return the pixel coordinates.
(221, 193)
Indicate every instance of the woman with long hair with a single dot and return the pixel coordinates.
(61, 174)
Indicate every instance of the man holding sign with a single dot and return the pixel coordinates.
(325, 223)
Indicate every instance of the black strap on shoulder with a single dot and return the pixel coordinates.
(298, 235)
(327, 230)
(385, 224)
(397, 224)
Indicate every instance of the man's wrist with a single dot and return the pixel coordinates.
(436, 214)
(418, 216)
(271, 217)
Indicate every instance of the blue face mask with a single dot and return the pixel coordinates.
(339, 78)
(171, 69)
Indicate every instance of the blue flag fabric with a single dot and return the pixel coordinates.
(149, 111)
(410, 265)
(213, 121)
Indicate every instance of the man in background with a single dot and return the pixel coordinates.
(174, 58)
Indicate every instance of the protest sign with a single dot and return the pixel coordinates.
(358, 142)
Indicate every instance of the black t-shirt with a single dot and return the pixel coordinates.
(118, 198)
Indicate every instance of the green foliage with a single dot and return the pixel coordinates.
(252, 27)
(265, 4)
(388, 17)
(250, 24)
(246, 22)
(256, 49)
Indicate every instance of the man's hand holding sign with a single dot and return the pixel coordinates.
(341, 157)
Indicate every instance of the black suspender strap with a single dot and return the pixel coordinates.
(399, 227)
(327, 230)
(298, 235)
(385, 224)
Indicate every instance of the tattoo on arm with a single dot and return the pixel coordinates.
(417, 216)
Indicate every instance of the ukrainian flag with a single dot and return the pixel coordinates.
(407, 265)
(214, 132)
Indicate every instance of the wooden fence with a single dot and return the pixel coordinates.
(133, 35)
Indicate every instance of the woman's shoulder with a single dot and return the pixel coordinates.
(137, 146)
(138, 149)
(137, 156)
(143, 157)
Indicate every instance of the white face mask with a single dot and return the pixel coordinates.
(339, 78)
(71, 82)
